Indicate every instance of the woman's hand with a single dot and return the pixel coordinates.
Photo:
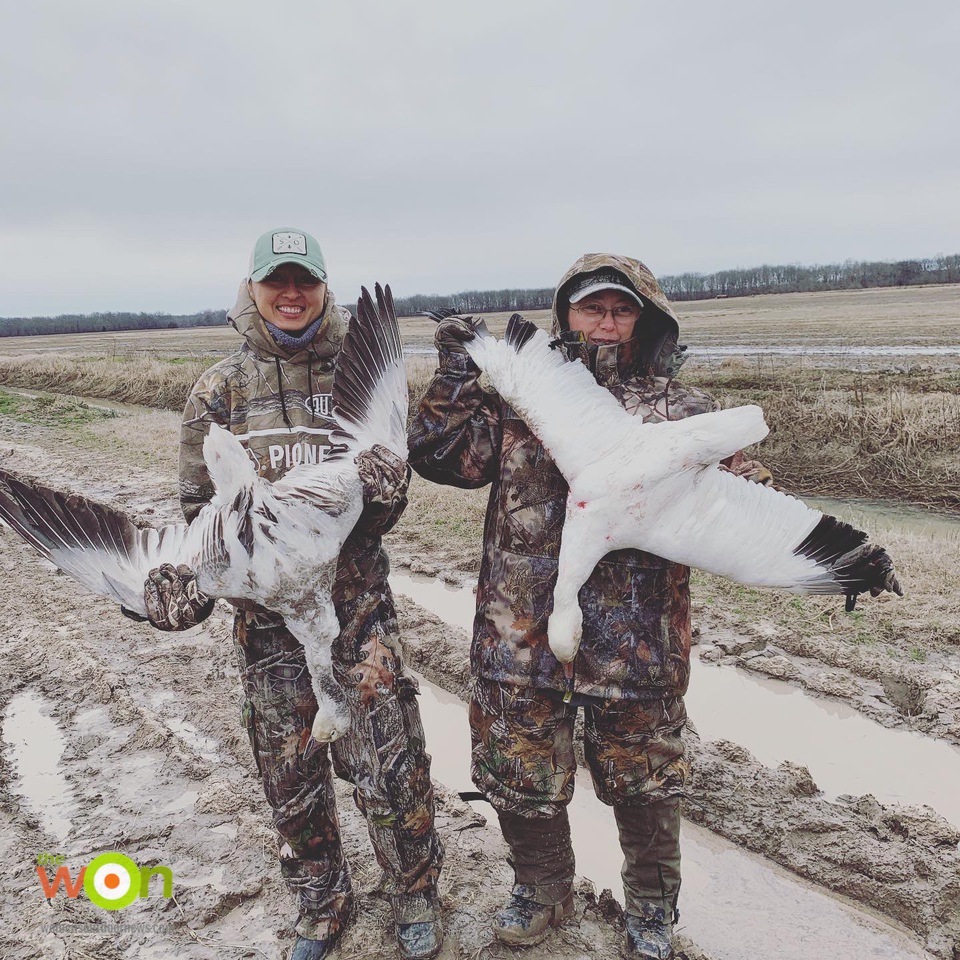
(173, 599)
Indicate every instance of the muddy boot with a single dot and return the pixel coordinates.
(523, 922)
(543, 864)
(650, 840)
(304, 949)
(418, 924)
(649, 934)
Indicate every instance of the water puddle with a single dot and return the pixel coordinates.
(829, 350)
(845, 752)
(94, 403)
(878, 516)
(736, 905)
(452, 604)
(35, 745)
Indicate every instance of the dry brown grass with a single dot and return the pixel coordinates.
(129, 379)
(837, 432)
(881, 443)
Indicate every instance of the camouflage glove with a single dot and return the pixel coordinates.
(452, 333)
(752, 470)
(173, 600)
(384, 477)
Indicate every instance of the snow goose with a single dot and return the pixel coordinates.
(658, 487)
(276, 544)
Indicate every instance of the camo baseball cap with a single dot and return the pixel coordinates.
(286, 245)
(588, 283)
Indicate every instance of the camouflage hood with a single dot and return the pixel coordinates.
(249, 323)
(654, 349)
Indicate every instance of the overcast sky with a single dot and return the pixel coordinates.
(441, 146)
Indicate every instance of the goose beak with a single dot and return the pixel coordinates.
(312, 748)
(309, 746)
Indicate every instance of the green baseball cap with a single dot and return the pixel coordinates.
(286, 245)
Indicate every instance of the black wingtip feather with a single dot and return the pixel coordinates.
(442, 313)
(519, 331)
(854, 565)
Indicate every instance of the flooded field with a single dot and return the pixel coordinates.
(823, 742)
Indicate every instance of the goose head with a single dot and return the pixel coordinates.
(564, 630)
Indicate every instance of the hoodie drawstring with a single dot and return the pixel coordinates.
(313, 412)
(283, 401)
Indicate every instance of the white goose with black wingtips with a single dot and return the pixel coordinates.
(658, 487)
(276, 544)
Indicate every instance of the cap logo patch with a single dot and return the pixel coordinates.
(289, 243)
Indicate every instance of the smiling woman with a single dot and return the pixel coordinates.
(290, 297)
(275, 394)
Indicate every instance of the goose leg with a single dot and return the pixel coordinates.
(578, 558)
(333, 718)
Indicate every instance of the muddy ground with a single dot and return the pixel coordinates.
(142, 781)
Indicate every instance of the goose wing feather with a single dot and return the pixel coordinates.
(558, 399)
(370, 405)
(762, 537)
(370, 396)
(96, 545)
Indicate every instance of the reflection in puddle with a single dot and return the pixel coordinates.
(845, 751)
(451, 604)
(737, 906)
(776, 721)
(36, 745)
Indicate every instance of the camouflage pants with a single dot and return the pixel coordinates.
(382, 755)
(524, 762)
(523, 758)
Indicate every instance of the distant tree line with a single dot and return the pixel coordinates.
(477, 301)
(785, 278)
(103, 322)
(794, 278)
(741, 282)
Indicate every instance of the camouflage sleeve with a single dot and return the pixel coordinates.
(385, 478)
(209, 402)
(455, 435)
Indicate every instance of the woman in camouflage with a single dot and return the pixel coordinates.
(274, 394)
(633, 665)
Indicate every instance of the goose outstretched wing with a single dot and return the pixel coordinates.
(577, 421)
(97, 545)
(370, 404)
(761, 537)
(370, 395)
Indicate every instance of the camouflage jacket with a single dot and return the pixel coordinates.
(278, 403)
(636, 628)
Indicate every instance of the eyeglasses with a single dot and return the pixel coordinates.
(279, 281)
(621, 314)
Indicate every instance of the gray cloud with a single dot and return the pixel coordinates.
(144, 146)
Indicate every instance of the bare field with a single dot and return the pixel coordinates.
(918, 316)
